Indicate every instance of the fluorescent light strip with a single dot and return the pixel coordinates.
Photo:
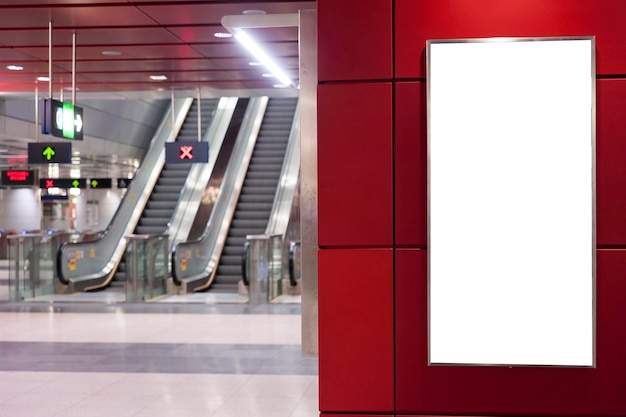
(258, 53)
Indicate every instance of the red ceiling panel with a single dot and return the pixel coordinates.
(236, 50)
(199, 34)
(172, 77)
(28, 17)
(205, 34)
(87, 37)
(213, 12)
(152, 66)
(128, 52)
(244, 63)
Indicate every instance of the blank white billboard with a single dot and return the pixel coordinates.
(511, 201)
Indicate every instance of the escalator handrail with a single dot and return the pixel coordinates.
(292, 263)
(244, 263)
(98, 261)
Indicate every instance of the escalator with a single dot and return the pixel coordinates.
(252, 190)
(167, 191)
(84, 266)
(257, 194)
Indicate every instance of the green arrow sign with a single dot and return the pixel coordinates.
(48, 153)
(75, 183)
(94, 183)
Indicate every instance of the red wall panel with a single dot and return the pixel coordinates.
(410, 164)
(526, 391)
(356, 330)
(611, 162)
(355, 40)
(355, 164)
(419, 20)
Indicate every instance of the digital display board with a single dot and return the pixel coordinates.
(18, 177)
(49, 153)
(182, 152)
(100, 183)
(63, 120)
(511, 202)
(63, 183)
(123, 182)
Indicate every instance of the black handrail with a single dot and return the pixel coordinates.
(292, 263)
(244, 263)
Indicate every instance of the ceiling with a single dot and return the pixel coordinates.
(139, 39)
(120, 44)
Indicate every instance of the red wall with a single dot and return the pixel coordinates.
(372, 211)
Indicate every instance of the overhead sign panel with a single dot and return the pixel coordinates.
(63, 120)
(184, 152)
(18, 177)
(123, 182)
(100, 183)
(63, 183)
(49, 153)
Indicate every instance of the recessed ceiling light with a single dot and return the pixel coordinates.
(280, 86)
(43, 78)
(254, 64)
(253, 11)
(223, 35)
(15, 67)
(111, 53)
(158, 77)
(267, 75)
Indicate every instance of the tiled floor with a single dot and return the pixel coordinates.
(156, 360)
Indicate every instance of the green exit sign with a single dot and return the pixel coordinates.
(63, 120)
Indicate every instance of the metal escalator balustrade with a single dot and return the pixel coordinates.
(194, 262)
(87, 265)
(165, 196)
(258, 192)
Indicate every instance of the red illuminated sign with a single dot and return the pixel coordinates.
(15, 177)
(186, 152)
(49, 183)
(18, 175)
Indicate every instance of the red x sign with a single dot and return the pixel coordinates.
(186, 152)
(49, 183)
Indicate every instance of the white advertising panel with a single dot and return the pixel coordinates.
(511, 201)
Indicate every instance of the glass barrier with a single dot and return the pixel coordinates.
(147, 275)
(32, 265)
(32, 262)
